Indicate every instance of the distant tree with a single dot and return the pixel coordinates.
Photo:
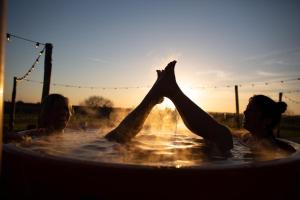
(97, 101)
(97, 106)
(20, 102)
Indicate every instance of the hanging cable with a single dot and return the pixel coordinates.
(291, 99)
(147, 86)
(9, 36)
(253, 84)
(32, 67)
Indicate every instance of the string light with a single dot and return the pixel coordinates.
(147, 86)
(291, 100)
(88, 87)
(24, 77)
(246, 84)
(292, 91)
(8, 36)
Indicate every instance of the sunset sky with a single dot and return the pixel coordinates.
(121, 43)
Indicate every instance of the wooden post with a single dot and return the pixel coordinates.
(13, 106)
(278, 127)
(237, 113)
(3, 4)
(47, 70)
(280, 96)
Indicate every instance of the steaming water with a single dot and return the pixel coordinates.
(162, 148)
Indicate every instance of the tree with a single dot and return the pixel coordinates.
(97, 101)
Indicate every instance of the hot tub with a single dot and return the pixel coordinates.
(34, 175)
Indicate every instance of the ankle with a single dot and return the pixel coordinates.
(173, 91)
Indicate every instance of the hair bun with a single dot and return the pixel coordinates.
(281, 107)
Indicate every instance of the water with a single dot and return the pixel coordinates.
(159, 148)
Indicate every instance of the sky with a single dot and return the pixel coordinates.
(119, 44)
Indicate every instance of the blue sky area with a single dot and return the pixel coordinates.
(121, 43)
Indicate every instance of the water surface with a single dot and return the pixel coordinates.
(154, 148)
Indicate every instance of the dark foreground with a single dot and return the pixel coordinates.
(33, 176)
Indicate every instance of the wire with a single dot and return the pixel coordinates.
(291, 100)
(253, 84)
(32, 67)
(89, 87)
(139, 87)
(9, 35)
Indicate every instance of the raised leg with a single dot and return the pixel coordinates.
(197, 120)
(132, 124)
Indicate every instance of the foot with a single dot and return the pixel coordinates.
(167, 81)
(159, 98)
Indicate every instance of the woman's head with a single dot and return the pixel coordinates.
(55, 112)
(263, 114)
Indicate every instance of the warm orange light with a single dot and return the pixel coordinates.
(167, 103)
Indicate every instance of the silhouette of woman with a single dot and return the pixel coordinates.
(54, 117)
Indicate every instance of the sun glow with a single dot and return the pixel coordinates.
(167, 103)
(191, 93)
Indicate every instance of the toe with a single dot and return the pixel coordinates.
(171, 66)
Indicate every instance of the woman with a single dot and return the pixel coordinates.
(55, 113)
(54, 117)
(261, 117)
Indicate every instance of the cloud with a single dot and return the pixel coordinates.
(215, 73)
(274, 54)
(99, 60)
(277, 58)
(267, 74)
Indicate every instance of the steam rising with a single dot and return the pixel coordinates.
(163, 141)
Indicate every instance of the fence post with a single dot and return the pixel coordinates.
(278, 127)
(237, 113)
(280, 96)
(13, 106)
(47, 70)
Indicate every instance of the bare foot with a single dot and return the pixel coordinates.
(167, 81)
(164, 83)
(160, 98)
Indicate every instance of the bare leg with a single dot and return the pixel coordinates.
(133, 122)
(197, 120)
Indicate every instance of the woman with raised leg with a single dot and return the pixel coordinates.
(197, 120)
(132, 124)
